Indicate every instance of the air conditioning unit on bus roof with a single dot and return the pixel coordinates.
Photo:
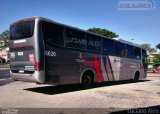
(115, 38)
(125, 41)
(128, 42)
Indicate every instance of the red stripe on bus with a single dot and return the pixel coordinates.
(22, 46)
(110, 67)
(98, 69)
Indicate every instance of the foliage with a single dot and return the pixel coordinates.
(148, 48)
(4, 34)
(103, 32)
(158, 46)
(156, 60)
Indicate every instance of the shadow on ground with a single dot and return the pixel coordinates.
(145, 110)
(52, 90)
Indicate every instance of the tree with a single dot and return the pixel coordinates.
(148, 48)
(158, 46)
(103, 32)
(4, 34)
(156, 59)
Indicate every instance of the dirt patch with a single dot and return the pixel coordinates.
(158, 93)
(139, 90)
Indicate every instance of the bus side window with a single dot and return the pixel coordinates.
(119, 49)
(53, 33)
(108, 47)
(125, 53)
(75, 39)
(130, 51)
(94, 43)
(137, 53)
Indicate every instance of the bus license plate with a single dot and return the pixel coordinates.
(21, 71)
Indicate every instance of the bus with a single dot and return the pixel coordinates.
(47, 52)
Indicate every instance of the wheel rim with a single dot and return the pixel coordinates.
(87, 80)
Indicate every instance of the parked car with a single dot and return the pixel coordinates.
(2, 60)
(157, 69)
(150, 70)
(154, 69)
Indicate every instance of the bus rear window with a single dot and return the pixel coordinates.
(22, 30)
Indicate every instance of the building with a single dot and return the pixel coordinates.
(4, 49)
(151, 57)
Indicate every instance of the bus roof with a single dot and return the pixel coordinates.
(76, 28)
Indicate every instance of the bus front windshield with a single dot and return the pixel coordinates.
(20, 30)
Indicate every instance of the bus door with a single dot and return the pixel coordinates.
(145, 62)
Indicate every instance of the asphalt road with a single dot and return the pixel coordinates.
(117, 97)
(5, 77)
(4, 73)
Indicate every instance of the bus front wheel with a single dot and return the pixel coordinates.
(136, 76)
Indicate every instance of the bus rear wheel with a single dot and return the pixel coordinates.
(87, 80)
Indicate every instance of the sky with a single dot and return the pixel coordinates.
(138, 25)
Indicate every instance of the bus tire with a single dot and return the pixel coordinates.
(136, 76)
(87, 79)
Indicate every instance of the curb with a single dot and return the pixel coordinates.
(4, 68)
